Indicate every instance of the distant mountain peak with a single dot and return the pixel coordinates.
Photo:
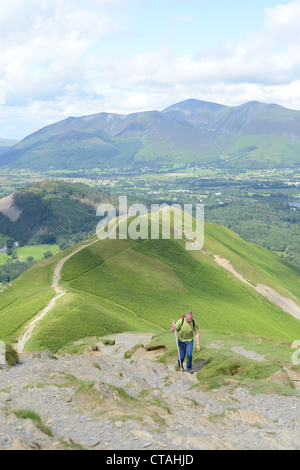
(193, 105)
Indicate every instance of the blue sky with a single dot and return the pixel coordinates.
(191, 25)
(63, 58)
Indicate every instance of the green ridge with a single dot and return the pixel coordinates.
(125, 285)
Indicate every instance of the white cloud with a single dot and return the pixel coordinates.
(265, 66)
(284, 20)
(47, 50)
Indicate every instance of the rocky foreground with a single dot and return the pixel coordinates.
(100, 400)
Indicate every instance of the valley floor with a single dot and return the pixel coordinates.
(100, 400)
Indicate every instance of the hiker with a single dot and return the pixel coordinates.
(186, 327)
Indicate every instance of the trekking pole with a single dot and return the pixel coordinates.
(181, 368)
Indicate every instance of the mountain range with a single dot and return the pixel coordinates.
(252, 135)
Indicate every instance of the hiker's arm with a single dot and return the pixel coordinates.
(173, 327)
(197, 336)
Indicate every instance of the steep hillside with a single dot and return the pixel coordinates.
(254, 135)
(113, 286)
(51, 212)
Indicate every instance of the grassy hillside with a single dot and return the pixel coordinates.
(255, 263)
(125, 285)
(24, 298)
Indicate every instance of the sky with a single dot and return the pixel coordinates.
(61, 58)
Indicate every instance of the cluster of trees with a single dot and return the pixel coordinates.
(53, 212)
(48, 190)
(14, 267)
(266, 222)
(64, 242)
(35, 213)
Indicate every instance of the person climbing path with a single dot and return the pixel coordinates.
(186, 327)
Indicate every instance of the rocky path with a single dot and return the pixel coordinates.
(100, 400)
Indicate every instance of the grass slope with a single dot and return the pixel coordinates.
(119, 285)
(24, 298)
(254, 262)
(125, 285)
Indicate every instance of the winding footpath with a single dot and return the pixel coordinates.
(26, 335)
